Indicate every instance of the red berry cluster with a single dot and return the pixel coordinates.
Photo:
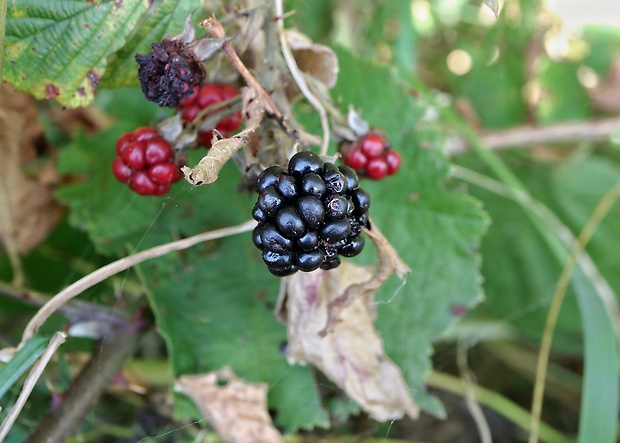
(145, 162)
(371, 156)
(206, 96)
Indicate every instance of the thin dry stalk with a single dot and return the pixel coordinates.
(299, 78)
(594, 131)
(469, 388)
(216, 28)
(599, 213)
(123, 264)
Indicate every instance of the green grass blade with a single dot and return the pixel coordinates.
(21, 362)
(600, 397)
(598, 421)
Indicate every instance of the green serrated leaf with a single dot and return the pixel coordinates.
(164, 18)
(215, 308)
(59, 49)
(214, 304)
(437, 232)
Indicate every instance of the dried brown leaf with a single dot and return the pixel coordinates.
(330, 314)
(222, 150)
(237, 409)
(314, 59)
(28, 211)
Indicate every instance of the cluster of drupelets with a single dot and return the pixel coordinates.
(309, 215)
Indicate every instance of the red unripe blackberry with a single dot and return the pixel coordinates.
(392, 158)
(207, 96)
(145, 133)
(372, 145)
(371, 156)
(133, 155)
(121, 171)
(356, 159)
(157, 151)
(163, 173)
(145, 162)
(142, 184)
(376, 168)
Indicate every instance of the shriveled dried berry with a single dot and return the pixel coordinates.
(169, 72)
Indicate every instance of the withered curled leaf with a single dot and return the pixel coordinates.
(28, 210)
(222, 150)
(330, 317)
(317, 60)
(237, 409)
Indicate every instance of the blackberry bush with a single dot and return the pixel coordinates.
(309, 216)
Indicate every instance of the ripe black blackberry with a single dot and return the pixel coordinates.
(309, 215)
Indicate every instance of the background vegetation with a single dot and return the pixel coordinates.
(503, 209)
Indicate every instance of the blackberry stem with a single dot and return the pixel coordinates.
(216, 28)
(299, 78)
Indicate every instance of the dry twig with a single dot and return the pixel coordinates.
(216, 28)
(60, 423)
(120, 265)
(299, 78)
(594, 131)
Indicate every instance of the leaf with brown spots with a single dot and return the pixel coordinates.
(236, 408)
(60, 50)
(28, 211)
